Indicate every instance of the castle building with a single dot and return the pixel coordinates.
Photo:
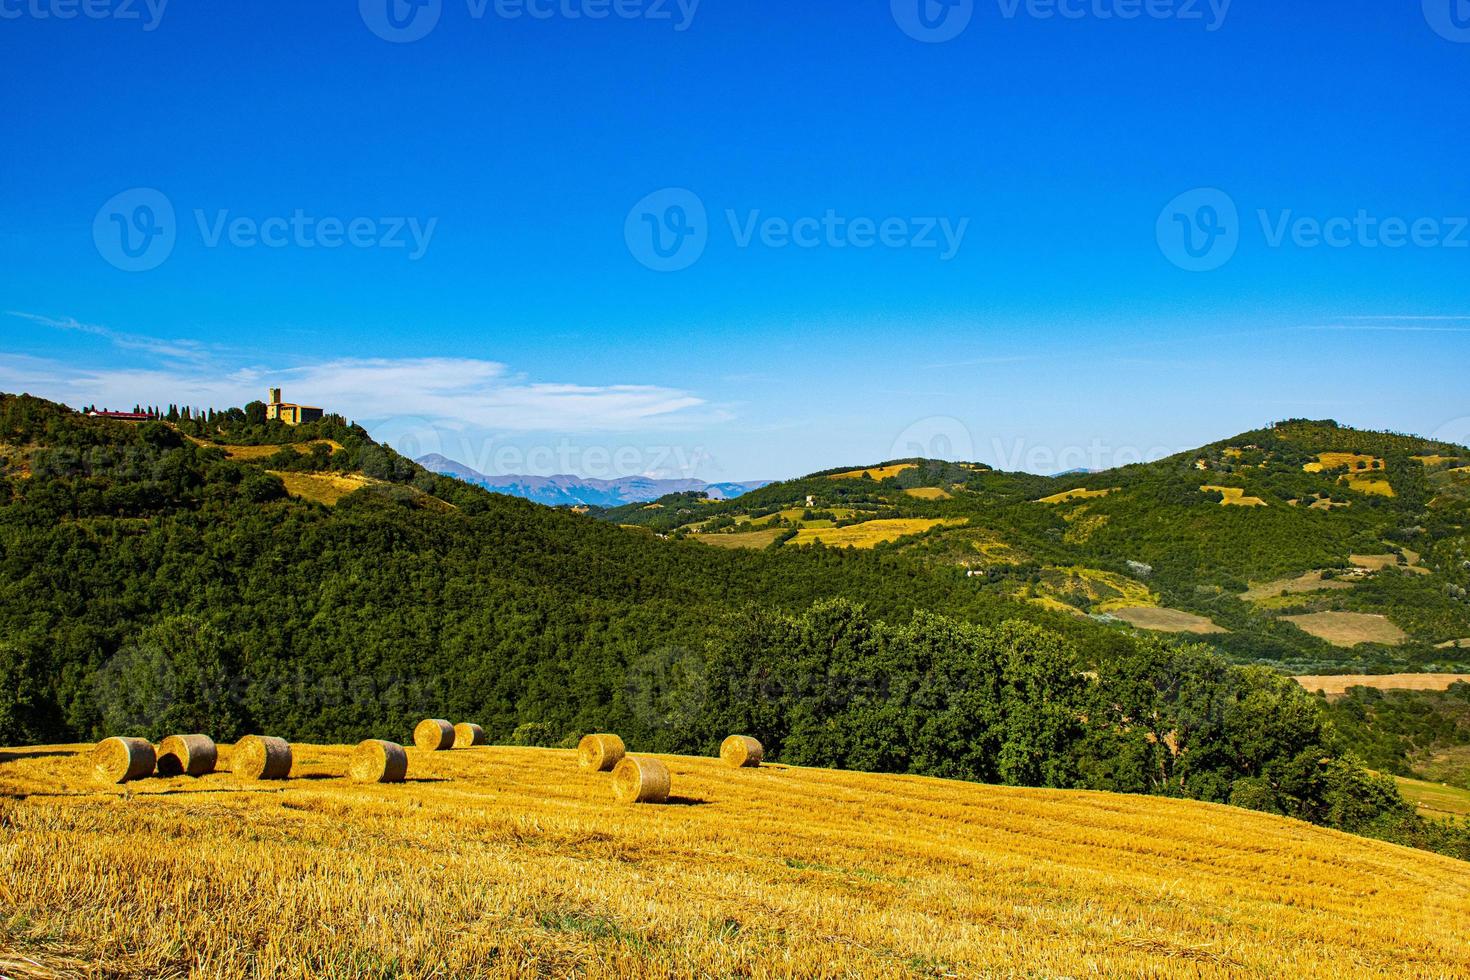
(288, 412)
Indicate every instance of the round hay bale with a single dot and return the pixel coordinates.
(467, 735)
(119, 760)
(741, 752)
(377, 761)
(638, 780)
(262, 757)
(187, 755)
(600, 753)
(434, 735)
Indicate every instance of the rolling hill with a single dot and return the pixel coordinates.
(1308, 546)
(503, 862)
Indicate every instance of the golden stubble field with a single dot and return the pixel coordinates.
(499, 862)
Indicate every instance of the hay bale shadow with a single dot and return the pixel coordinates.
(687, 801)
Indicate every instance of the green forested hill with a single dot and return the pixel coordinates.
(1308, 546)
(187, 575)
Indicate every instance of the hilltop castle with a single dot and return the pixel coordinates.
(288, 412)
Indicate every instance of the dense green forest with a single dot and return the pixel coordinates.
(156, 578)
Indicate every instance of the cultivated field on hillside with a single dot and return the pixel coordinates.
(324, 488)
(1336, 685)
(1167, 620)
(867, 534)
(874, 473)
(1234, 497)
(1435, 800)
(1067, 496)
(1348, 629)
(496, 862)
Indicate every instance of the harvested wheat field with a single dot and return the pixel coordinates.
(498, 862)
(1336, 685)
(870, 534)
(1234, 497)
(929, 493)
(1167, 620)
(873, 473)
(1348, 629)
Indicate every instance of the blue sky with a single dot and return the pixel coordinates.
(450, 238)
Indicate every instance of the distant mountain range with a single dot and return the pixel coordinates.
(555, 491)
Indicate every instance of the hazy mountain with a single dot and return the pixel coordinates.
(564, 489)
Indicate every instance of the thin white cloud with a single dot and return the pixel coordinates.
(461, 392)
(178, 350)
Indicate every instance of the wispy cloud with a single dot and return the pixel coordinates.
(458, 392)
(177, 350)
(1378, 327)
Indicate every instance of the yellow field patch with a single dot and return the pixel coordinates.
(1055, 605)
(929, 493)
(1353, 461)
(1336, 685)
(254, 454)
(1348, 629)
(1454, 645)
(1067, 496)
(1102, 591)
(1435, 460)
(1167, 620)
(740, 539)
(324, 488)
(499, 862)
(1234, 497)
(876, 473)
(870, 533)
(1363, 484)
(1310, 582)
